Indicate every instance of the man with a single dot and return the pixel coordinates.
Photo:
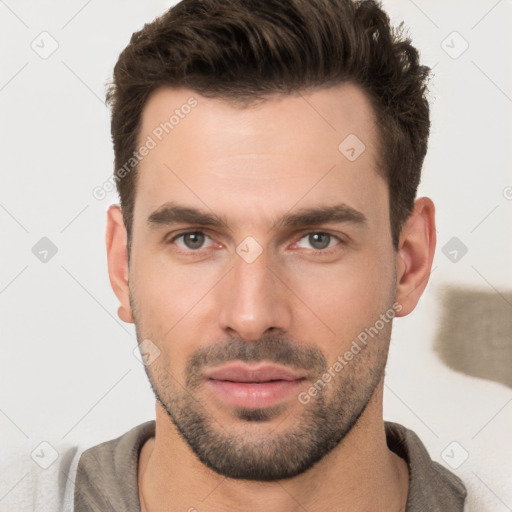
(268, 155)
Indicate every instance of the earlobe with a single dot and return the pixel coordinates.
(415, 255)
(125, 315)
(117, 256)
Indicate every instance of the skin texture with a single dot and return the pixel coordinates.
(252, 166)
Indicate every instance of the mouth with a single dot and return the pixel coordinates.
(238, 372)
(253, 386)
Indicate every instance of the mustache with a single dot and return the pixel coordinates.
(272, 348)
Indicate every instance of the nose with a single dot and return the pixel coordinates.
(252, 300)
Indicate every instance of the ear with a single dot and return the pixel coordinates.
(415, 255)
(117, 256)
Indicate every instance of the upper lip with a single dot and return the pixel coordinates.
(238, 372)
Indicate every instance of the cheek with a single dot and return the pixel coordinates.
(168, 293)
(174, 308)
(346, 297)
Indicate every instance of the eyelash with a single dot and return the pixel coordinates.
(315, 252)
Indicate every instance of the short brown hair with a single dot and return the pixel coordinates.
(246, 50)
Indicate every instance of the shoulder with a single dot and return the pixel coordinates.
(431, 486)
(107, 473)
(477, 486)
(48, 477)
(109, 457)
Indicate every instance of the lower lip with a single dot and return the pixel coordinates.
(254, 395)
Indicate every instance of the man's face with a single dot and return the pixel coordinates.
(268, 285)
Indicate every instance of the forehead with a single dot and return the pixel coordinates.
(312, 148)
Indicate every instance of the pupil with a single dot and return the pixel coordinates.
(319, 240)
(194, 240)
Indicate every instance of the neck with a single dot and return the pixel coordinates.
(360, 474)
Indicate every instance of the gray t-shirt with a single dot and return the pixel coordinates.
(106, 477)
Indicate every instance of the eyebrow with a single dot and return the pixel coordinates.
(172, 213)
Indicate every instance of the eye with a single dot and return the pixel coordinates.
(318, 241)
(192, 240)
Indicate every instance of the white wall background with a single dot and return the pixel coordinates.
(67, 371)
